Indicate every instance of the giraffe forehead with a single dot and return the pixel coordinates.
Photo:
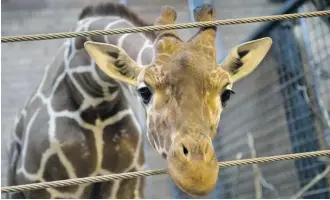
(173, 47)
(188, 71)
(186, 61)
(185, 66)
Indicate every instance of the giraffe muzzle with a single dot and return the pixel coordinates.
(192, 165)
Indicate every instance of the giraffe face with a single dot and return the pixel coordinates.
(183, 111)
(184, 91)
(184, 96)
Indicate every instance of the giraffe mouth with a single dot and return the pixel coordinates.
(191, 171)
(195, 186)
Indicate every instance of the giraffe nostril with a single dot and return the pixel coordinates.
(185, 150)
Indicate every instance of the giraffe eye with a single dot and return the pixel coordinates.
(225, 96)
(145, 93)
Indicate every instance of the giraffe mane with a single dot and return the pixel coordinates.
(116, 9)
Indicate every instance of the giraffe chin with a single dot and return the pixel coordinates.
(197, 179)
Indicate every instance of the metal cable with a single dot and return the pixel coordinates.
(51, 36)
(111, 177)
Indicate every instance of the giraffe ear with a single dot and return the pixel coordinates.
(114, 62)
(244, 58)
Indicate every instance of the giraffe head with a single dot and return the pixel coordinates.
(184, 90)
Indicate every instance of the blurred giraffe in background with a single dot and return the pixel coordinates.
(80, 122)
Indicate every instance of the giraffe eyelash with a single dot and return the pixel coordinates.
(225, 96)
(145, 93)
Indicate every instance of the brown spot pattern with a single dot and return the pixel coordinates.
(88, 84)
(38, 141)
(19, 128)
(103, 110)
(30, 110)
(78, 145)
(80, 59)
(54, 170)
(105, 189)
(56, 68)
(119, 145)
(63, 97)
(126, 188)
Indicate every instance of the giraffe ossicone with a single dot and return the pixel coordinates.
(184, 90)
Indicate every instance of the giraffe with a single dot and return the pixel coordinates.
(184, 91)
(79, 122)
(102, 92)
